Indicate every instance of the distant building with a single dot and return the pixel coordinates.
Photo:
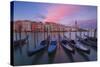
(26, 25)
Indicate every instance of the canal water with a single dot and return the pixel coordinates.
(34, 40)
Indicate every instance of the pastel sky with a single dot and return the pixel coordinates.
(66, 14)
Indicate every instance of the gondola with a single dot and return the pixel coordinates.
(67, 45)
(52, 51)
(52, 48)
(19, 43)
(82, 48)
(39, 48)
(86, 42)
(94, 39)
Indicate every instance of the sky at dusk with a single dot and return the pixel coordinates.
(66, 14)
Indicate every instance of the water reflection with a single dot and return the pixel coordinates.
(59, 56)
(51, 57)
(70, 55)
(84, 55)
(37, 57)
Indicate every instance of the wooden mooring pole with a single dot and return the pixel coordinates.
(70, 33)
(36, 37)
(16, 35)
(44, 31)
(20, 30)
(80, 34)
(95, 33)
(34, 32)
(63, 32)
(76, 30)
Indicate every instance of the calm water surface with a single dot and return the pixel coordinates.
(21, 57)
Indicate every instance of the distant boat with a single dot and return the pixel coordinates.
(92, 42)
(86, 42)
(91, 38)
(39, 48)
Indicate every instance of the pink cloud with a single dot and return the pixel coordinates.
(56, 13)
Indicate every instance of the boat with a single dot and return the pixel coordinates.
(43, 45)
(67, 45)
(39, 48)
(52, 47)
(82, 48)
(94, 39)
(19, 43)
(86, 42)
(92, 42)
